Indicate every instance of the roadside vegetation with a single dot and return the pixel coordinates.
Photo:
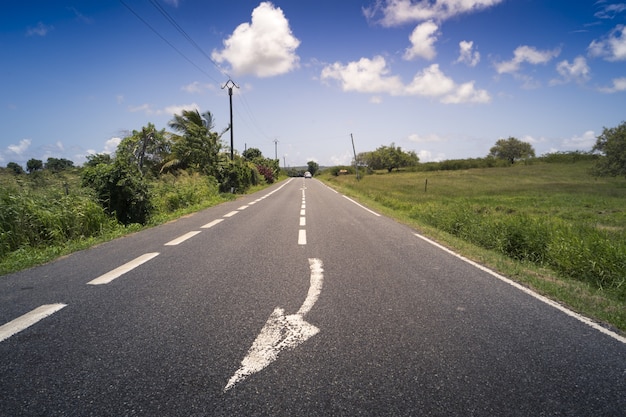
(54, 208)
(546, 222)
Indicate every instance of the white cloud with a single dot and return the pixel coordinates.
(612, 47)
(422, 40)
(196, 87)
(426, 138)
(581, 142)
(20, 148)
(578, 71)
(110, 146)
(364, 76)
(399, 12)
(619, 84)
(428, 156)
(169, 110)
(39, 30)
(609, 11)
(527, 54)
(467, 55)
(372, 76)
(264, 48)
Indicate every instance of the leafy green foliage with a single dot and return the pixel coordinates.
(120, 189)
(15, 168)
(612, 145)
(389, 158)
(58, 164)
(512, 149)
(34, 165)
(313, 167)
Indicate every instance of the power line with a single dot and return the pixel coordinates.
(182, 31)
(166, 41)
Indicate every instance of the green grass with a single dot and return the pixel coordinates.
(552, 227)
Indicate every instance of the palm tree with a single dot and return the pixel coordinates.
(197, 147)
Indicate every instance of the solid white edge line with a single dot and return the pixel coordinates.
(211, 224)
(363, 207)
(301, 237)
(23, 322)
(119, 271)
(528, 291)
(182, 238)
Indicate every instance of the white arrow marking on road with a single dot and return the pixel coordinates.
(281, 331)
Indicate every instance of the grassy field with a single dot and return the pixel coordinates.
(550, 226)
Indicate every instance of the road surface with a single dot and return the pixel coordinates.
(293, 301)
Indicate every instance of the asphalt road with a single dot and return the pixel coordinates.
(289, 302)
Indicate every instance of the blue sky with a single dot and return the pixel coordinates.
(444, 78)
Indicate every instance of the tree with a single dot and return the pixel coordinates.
(197, 147)
(34, 165)
(313, 167)
(612, 145)
(147, 148)
(58, 164)
(15, 168)
(389, 157)
(512, 149)
(252, 153)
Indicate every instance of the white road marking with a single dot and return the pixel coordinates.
(119, 271)
(315, 286)
(302, 221)
(211, 224)
(231, 214)
(17, 325)
(529, 292)
(301, 237)
(302, 212)
(363, 207)
(242, 207)
(182, 238)
(281, 332)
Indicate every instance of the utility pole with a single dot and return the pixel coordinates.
(276, 149)
(230, 84)
(356, 162)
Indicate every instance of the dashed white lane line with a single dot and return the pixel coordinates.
(119, 271)
(302, 237)
(231, 214)
(302, 212)
(182, 238)
(302, 221)
(243, 207)
(211, 224)
(28, 319)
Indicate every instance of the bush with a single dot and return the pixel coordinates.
(176, 192)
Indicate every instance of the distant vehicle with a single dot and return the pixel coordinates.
(307, 175)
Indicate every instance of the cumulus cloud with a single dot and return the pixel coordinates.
(110, 146)
(426, 138)
(526, 54)
(619, 84)
(399, 12)
(265, 47)
(364, 76)
(20, 148)
(373, 76)
(578, 71)
(39, 30)
(423, 41)
(467, 55)
(611, 47)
